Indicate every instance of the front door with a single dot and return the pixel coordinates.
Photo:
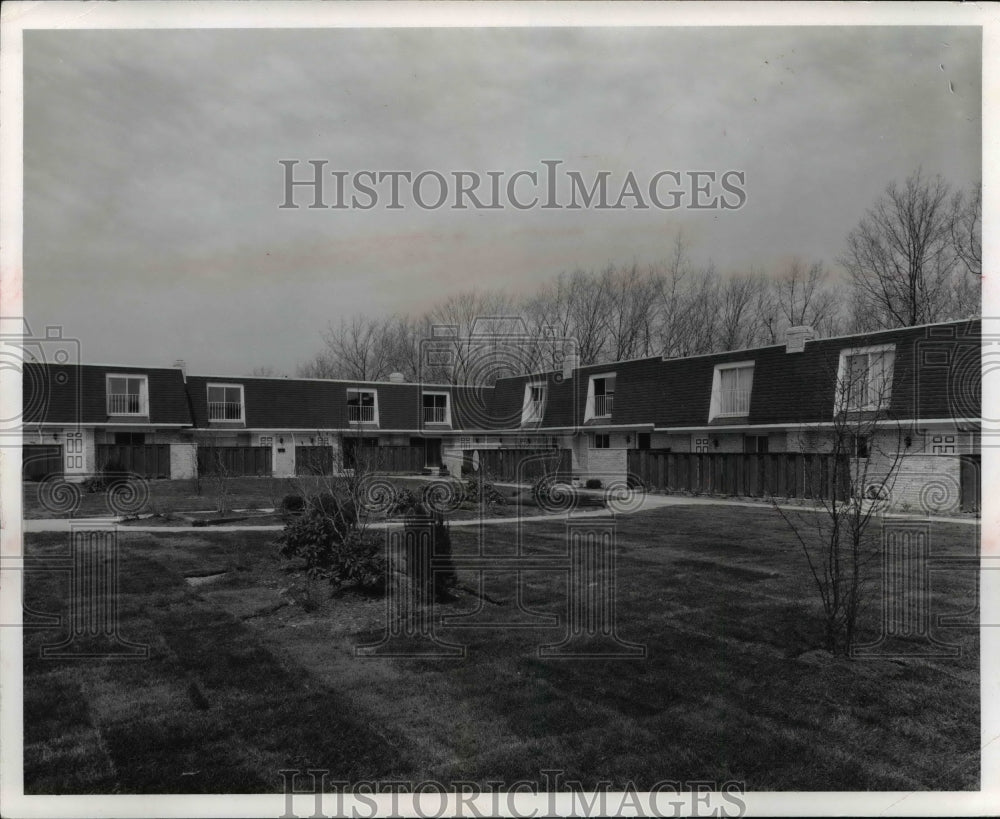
(433, 452)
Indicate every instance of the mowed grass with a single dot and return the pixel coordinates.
(247, 676)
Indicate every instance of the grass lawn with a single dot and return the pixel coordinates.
(169, 497)
(247, 675)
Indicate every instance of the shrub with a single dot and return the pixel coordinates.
(428, 560)
(593, 483)
(478, 487)
(403, 501)
(342, 514)
(291, 505)
(344, 558)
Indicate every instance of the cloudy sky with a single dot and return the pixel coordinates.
(152, 183)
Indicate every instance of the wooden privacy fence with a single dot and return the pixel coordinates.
(41, 461)
(145, 460)
(400, 458)
(319, 460)
(235, 461)
(778, 474)
(519, 465)
(313, 460)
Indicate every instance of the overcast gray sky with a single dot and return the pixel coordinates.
(152, 184)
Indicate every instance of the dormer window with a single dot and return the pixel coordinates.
(534, 404)
(127, 395)
(225, 402)
(436, 409)
(362, 406)
(864, 378)
(731, 388)
(600, 396)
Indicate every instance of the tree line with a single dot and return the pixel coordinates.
(914, 258)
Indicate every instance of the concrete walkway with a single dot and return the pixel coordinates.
(648, 503)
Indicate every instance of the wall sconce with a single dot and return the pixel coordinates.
(628, 440)
(908, 441)
(715, 442)
(281, 440)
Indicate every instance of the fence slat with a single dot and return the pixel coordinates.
(144, 460)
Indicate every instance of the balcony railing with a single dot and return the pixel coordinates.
(603, 404)
(225, 411)
(434, 415)
(357, 414)
(734, 402)
(120, 403)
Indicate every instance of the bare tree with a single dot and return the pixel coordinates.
(739, 317)
(800, 295)
(967, 229)
(901, 257)
(840, 540)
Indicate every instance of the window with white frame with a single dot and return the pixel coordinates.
(267, 440)
(127, 395)
(731, 388)
(864, 378)
(600, 396)
(436, 408)
(362, 406)
(600, 440)
(225, 402)
(534, 403)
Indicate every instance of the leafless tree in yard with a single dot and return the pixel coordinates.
(841, 539)
(901, 257)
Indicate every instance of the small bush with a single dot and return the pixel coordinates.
(428, 560)
(342, 514)
(480, 488)
(342, 557)
(403, 501)
(291, 505)
(593, 483)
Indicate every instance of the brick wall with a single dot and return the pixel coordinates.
(183, 461)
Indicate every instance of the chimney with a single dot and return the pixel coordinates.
(570, 363)
(397, 378)
(181, 365)
(796, 338)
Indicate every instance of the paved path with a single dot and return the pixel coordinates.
(649, 503)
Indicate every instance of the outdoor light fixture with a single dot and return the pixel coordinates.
(281, 440)
(715, 442)
(907, 440)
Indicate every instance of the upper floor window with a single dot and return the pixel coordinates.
(127, 395)
(436, 408)
(600, 396)
(534, 403)
(731, 387)
(864, 378)
(362, 406)
(225, 402)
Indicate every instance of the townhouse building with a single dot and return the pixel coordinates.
(920, 387)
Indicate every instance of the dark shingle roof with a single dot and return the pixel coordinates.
(76, 393)
(936, 375)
